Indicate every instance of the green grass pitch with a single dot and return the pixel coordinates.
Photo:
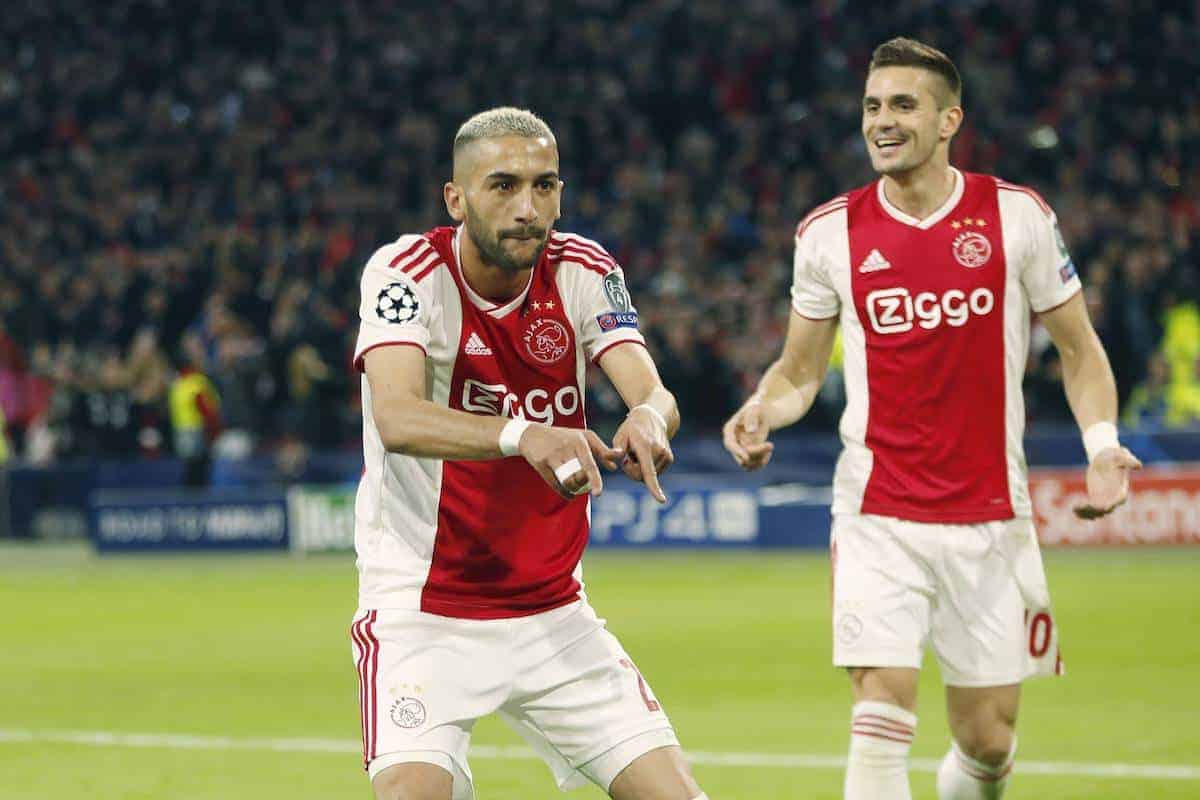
(736, 646)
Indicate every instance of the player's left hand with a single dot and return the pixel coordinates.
(647, 450)
(1107, 482)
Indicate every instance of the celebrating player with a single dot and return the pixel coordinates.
(469, 529)
(931, 273)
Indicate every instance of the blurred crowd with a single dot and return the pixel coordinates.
(188, 190)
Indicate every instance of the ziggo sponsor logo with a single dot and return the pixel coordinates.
(894, 310)
(537, 404)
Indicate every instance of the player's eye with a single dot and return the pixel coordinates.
(545, 185)
(504, 186)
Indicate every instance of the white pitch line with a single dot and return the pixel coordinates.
(173, 741)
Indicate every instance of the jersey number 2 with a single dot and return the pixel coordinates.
(651, 703)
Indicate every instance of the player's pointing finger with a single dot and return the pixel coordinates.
(649, 475)
(594, 481)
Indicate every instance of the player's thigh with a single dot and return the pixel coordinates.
(982, 719)
(979, 624)
(413, 781)
(661, 774)
(882, 592)
(423, 681)
(582, 704)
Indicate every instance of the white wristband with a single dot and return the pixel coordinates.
(510, 436)
(657, 414)
(1099, 436)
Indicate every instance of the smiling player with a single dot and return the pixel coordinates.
(474, 341)
(931, 273)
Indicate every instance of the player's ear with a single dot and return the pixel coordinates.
(951, 121)
(455, 199)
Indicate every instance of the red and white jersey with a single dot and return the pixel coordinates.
(935, 328)
(481, 539)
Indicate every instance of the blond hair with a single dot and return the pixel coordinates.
(497, 122)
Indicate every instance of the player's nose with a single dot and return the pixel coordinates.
(525, 212)
(883, 122)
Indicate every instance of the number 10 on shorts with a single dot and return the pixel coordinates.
(1040, 630)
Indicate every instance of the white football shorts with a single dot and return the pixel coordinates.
(559, 678)
(977, 593)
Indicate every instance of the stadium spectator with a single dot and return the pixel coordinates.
(149, 380)
(1153, 405)
(195, 412)
(1181, 333)
(102, 413)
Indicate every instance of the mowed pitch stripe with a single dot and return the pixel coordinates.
(172, 741)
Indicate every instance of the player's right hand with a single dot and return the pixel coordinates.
(745, 436)
(566, 458)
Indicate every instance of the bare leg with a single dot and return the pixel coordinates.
(661, 774)
(414, 780)
(982, 722)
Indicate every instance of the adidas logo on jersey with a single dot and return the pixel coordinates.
(476, 347)
(874, 262)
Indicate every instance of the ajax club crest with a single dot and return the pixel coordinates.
(972, 249)
(408, 712)
(547, 340)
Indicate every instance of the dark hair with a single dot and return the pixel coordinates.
(903, 52)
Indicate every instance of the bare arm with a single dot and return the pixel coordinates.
(785, 393)
(653, 417)
(636, 379)
(410, 424)
(1092, 394)
(1087, 376)
(790, 385)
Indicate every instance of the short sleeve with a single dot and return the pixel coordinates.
(1047, 271)
(592, 286)
(813, 294)
(607, 316)
(393, 309)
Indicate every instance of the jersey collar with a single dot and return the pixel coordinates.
(478, 300)
(932, 219)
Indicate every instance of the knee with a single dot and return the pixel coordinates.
(987, 739)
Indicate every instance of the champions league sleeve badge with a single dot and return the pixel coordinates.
(397, 304)
(617, 294)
